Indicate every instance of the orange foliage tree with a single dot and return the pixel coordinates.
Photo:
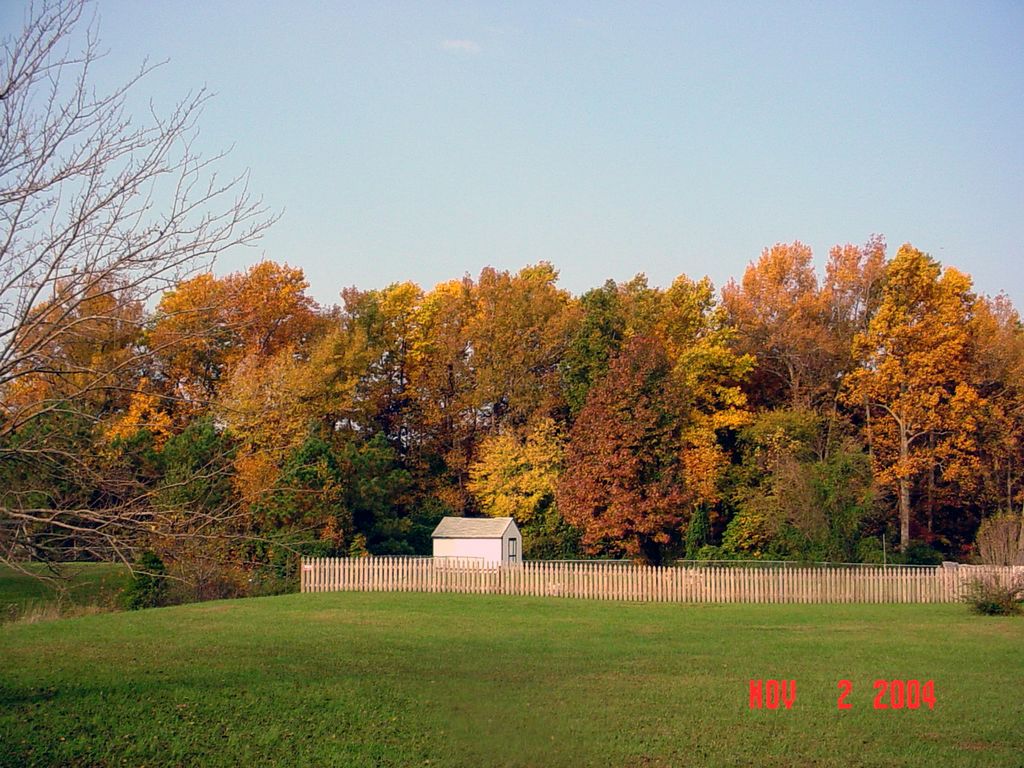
(206, 325)
(777, 313)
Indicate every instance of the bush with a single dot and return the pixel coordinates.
(265, 582)
(990, 597)
(711, 552)
(549, 537)
(200, 578)
(148, 585)
(279, 575)
(869, 550)
(920, 553)
(1001, 540)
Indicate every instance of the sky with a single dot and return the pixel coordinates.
(423, 141)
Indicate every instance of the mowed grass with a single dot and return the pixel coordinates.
(87, 584)
(462, 680)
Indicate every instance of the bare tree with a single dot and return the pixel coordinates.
(1001, 539)
(98, 213)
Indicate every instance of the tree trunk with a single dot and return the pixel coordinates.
(931, 480)
(904, 513)
(867, 425)
(904, 486)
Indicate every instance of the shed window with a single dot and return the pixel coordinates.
(512, 549)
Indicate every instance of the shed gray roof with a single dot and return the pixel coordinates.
(472, 527)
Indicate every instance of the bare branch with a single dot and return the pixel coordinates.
(99, 212)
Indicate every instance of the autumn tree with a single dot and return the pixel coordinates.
(205, 326)
(482, 357)
(448, 420)
(517, 478)
(849, 297)
(382, 328)
(777, 313)
(518, 334)
(624, 484)
(641, 305)
(999, 375)
(271, 405)
(699, 343)
(913, 372)
(190, 338)
(84, 357)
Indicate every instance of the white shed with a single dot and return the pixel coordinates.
(487, 540)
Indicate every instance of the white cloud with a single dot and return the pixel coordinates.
(470, 47)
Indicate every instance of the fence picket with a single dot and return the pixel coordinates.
(600, 580)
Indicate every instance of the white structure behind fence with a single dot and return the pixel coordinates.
(599, 580)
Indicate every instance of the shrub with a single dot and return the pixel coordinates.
(201, 576)
(989, 596)
(920, 553)
(265, 582)
(148, 585)
(1001, 540)
(279, 575)
(869, 550)
(711, 552)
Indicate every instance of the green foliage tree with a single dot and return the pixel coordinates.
(309, 492)
(376, 493)
(598, 337)
(698, 533)
(794, 495)
(197, 468)
(341, 490)
(549, 537)
(148, 585)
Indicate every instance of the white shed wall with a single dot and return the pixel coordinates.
(487, 550)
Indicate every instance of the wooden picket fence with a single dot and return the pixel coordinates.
(602, 580)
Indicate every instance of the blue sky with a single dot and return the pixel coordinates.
(425, 140)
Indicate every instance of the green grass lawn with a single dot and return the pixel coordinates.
(413, 679)
(88, 584)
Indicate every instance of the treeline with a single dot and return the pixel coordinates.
(788, 416)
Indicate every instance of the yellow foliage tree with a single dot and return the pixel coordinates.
(700, 346)
(145, 411)
(999, 371)
(515, 478)
(269, 405)
(518, 333)
(87, 355)
(913, 369)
